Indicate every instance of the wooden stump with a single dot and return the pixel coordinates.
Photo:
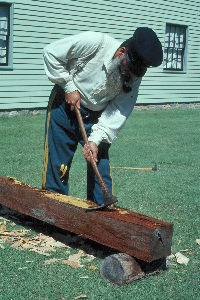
(121, 269)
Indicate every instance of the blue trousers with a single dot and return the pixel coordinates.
(62, 135)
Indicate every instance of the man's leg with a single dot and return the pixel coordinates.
(94, 191)
(60, 145)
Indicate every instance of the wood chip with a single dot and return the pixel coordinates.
(198, 241)
(171, 256)
(22, 268)
(77, 256)
(2, 228)
(92, 268)
(81, 296)
(72, 263)
(50, 261)
(181, 259)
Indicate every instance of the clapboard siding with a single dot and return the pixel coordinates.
(37, 23)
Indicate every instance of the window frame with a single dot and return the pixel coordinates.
(9, 54)
(185, 52)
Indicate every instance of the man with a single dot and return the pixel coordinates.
(101, 77)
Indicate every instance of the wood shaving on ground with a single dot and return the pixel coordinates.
(72, 263)
(92, 268)
(198, 241)
(74, 260)
(50, 261)
(42, 244)
(178, 258)
(181, 259)
(81, 296)
(77, 260)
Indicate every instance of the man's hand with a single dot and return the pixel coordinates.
(73, 99)
(90, 147)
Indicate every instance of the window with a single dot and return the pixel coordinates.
(6, 35)
(175, 48)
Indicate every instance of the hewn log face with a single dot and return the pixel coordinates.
(138, 235)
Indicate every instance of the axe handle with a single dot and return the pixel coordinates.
(133, 168)
(154, 168)
(92, 161)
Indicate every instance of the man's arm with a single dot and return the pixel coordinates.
(115, 115)
(62, 58)
(111, 121)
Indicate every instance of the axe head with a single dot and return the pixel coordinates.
(108, 199)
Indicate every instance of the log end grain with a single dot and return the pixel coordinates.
(123, 269)
(120, 269)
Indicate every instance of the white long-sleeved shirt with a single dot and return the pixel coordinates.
(80, 63)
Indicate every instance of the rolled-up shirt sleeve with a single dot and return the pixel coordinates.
(60, 57)
(114, 116)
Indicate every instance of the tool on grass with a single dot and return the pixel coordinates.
(108, 198)
(154, 168)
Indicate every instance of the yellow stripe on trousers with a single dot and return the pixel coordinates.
(46, 145)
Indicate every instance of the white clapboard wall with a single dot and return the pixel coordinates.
(39, 22)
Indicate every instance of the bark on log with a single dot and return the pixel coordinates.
(121, 269)
(138, 235)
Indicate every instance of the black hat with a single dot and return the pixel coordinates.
(146, 45)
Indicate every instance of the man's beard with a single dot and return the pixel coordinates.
(116, 78)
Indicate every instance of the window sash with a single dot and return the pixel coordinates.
(175, 42)
(4, 34)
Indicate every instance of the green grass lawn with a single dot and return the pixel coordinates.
(171, 139)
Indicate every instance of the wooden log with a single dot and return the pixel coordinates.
(121, 269)
(135, 234)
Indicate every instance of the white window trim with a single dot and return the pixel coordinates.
(10, 47)
(184, 71)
